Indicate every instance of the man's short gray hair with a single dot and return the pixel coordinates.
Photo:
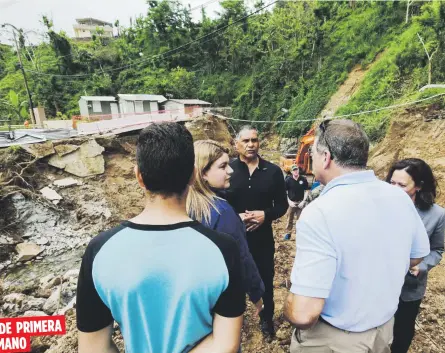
(347, 142)
(243, 129)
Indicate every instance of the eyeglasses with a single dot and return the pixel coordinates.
(323, 126)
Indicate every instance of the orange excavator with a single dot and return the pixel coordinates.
(302, 158)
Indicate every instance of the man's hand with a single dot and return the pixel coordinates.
(302, 204)
(291, 203)
(254, 219)
(259, 307)
(415, 270)
(242, 216)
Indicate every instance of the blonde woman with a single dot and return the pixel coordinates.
(206, 204)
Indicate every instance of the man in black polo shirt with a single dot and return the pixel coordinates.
(257, 193)
(297, 192)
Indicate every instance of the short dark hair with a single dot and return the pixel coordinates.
(422, 176)
(165, 157)
(346, 141)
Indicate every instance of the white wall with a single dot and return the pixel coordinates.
(174, 109)
(154, 107)
(83, 106)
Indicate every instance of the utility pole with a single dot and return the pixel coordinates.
(31, 105)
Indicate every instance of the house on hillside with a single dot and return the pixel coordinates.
(98, 105)
(192, 107)
(140, 103)
(85, 28)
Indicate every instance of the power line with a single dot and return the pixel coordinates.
(337, 116)
(170, 52)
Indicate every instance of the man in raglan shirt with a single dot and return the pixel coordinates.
(171, 284)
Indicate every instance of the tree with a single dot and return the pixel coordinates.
(429, 46)
(116, 24)
(17, 109)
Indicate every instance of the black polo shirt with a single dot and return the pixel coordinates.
(296, 188)
(264, 190)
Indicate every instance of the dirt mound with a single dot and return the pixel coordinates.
(412, 135)
(213, 128)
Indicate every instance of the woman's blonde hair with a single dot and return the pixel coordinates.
(201, 198)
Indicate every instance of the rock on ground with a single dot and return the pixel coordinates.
(27, 251)
(83, 162)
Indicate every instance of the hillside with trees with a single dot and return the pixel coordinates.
(276, 61)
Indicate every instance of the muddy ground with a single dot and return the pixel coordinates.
(104, 200)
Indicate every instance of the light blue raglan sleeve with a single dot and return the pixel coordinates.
(315, 261)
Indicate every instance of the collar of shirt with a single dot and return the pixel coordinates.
(261, 163)
(364, 176)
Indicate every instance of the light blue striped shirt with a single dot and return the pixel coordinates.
(354, 245)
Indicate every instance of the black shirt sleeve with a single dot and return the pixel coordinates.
(279, 199)
(232, 301)
(92, 314)
(306, 184)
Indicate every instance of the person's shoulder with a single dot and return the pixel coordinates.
(223, 241)
(223, 206)
(99, 240)
(437, 211)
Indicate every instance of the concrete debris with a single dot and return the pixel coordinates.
(49, 281)
(51, 195)
(27, 251)
(83, 162)
(33, 304)
(42, 241)
(69, 306)
(74, 273)
(40, 150)
(67, 182)
(52, 302)
(9, 308)
(62, 150)
(34, 313)
(14, 298)
(43, 293)
(7, 240)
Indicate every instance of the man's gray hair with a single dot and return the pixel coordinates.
(243, 129)
(347, 142)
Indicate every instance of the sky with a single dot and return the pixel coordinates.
(27, 14)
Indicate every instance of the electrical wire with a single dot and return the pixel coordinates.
(168, 53)
(337, 116)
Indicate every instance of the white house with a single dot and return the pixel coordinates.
(192, 107)
(140, 103)
(86, 27)
(98, 105)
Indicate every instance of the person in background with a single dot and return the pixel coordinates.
(173, 285)
(297, 193)
(206, 204)
(258, 194)
(416, 178)
(354, 247)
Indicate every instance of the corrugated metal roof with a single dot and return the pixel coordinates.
(98, 98)
(191, 101)
(29, 136)
(92, 21)
(143, 97)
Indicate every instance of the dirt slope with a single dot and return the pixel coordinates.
(412, 135)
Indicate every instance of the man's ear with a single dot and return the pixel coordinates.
(138, 175)
(326, 159)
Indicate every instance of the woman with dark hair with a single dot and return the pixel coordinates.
(416, 178)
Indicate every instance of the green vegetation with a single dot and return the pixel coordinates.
(281, 63)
